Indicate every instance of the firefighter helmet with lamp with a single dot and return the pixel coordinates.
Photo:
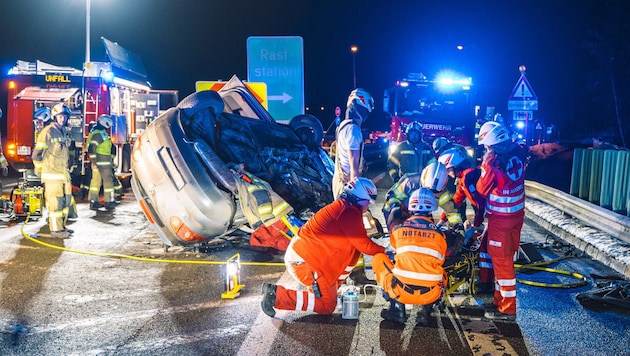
(422, 201)
(440, 143)
(105, 121)
(362, 98)
(43, 114)
(361, 188)
(434, 177)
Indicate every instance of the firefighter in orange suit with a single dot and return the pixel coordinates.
(502, 183)
(417, 276)
(324, 252)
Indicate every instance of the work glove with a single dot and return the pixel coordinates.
(5, 171)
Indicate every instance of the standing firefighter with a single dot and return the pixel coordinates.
(50, 158)
(411, 155)
(349, 144)
(502, 183)
(100, 152)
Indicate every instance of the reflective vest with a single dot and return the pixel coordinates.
(99, 147)
(259, 203)
(52, 152)
(420, 252)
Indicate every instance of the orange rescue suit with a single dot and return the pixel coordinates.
(417, 277)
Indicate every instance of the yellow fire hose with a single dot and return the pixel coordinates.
(145, 259)
(538, 267)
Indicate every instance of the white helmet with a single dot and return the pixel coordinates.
(440, 143)
(105, 121)
(43, 114)
(361, 188)
(422, 201)
(492, 133)
(362, 98)
(434, 177)
(452, 158)
(60, 109)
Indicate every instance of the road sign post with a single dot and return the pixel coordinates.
(279, 62)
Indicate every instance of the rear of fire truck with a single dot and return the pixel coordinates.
(118, 88)
(442, 105)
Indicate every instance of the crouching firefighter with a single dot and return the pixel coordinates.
(417, 275)
(324, 252)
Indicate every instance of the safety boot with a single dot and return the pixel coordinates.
(269, 299)
(497, 315)
(62, 234)
(395, 313)
(423, 315)
(110, 205)
(95, 205)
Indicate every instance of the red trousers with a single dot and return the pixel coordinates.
(304, 300)
(504, 238)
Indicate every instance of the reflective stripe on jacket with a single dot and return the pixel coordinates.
(52, 152)
(420, 252)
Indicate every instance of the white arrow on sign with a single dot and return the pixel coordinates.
(284, 97)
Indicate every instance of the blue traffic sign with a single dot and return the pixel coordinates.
(279, 62)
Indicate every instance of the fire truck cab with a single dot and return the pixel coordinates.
(118, 88)
(443, 106)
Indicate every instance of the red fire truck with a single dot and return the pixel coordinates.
(442, 105)
(118, 88)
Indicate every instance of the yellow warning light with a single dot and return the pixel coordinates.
(232, 272)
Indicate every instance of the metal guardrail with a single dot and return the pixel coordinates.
(593, 215)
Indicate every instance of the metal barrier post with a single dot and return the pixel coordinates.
(595, 186)
(622, 180)
(608, 179)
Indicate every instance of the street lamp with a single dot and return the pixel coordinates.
(354, 50)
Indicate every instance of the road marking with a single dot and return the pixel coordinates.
(262, 335)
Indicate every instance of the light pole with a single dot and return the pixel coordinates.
(87, 32)
(354, 50)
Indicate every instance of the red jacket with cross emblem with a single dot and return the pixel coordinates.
(502, 182)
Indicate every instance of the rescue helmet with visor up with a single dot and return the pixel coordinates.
(434, 176)
(440, 143)
(492, 133)
(362, 98)
(361, 188)
(43, 114)
(454, 158)
(422, 201)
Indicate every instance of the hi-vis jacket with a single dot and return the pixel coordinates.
(259, 203)
(52, 152)
(409, 158)
(502, 182)
(466, 188)
(395, 207)
(100, 147)
(420, 252)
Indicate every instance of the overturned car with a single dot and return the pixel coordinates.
(200, 170)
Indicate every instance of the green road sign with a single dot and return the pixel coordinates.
(279, 62)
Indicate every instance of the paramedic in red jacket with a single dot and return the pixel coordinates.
(324, 252)
(502, 182)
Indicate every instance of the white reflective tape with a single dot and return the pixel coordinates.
(495, 243)
(506, 282)
(484, 255)
(485, 265)
(311, 302)
(512, 209)
(417, 275)
(422, 250)
(508, 293)
(505, 199)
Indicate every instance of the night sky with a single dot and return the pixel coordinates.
(183, 41)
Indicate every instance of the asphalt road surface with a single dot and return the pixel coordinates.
(113, 290)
